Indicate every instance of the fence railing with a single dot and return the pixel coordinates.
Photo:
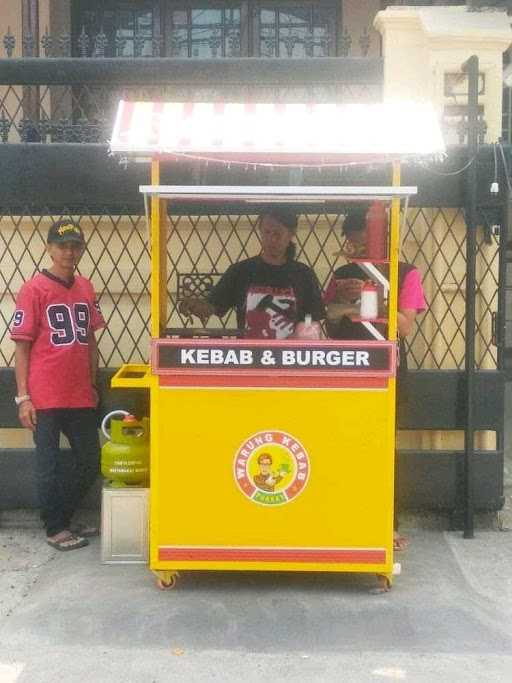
(74, 101)
(117, 261)
(217, 40)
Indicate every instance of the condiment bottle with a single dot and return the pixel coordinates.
(376, 231)
(369, 301)
(308, 329)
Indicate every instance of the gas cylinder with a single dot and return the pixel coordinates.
(376, 231)
(125, 455)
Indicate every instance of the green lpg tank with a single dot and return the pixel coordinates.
(125, 455)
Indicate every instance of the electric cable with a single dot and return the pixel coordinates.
(451, 173)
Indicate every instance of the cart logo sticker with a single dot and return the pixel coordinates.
(271, 468)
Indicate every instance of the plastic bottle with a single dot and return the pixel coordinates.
(308, 330)
(369, 301)
(376, 231)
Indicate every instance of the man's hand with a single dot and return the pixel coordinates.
(348, 290)
(198, 307)
(27, 415)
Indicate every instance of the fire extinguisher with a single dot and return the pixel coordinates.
(377, 231)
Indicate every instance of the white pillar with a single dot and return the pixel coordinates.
(423, 46)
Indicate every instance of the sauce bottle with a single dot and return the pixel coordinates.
(369, 301)
(376, 231)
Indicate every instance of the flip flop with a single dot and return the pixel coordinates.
(400, 542)
(68, 543)
(84, 530)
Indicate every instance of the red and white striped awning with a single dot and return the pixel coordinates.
(277, 133)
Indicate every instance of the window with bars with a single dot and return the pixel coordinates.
(116, 29)
(206, 30)
(204, 33)
(295, 30)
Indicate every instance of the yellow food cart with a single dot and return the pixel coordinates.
(271, 455)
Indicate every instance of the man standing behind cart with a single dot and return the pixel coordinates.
(345, 288)
(270, 292)
(56, 362)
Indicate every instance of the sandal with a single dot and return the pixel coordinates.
(399, 541)
(84, 530)
(70, 542)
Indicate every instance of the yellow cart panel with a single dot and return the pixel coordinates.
(340, 520)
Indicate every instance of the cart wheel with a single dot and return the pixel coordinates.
(383, 585)
(166, 585)
(167, 580)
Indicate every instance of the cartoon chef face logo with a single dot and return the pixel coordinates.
(271, 468)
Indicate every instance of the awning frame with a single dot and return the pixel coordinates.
(275, 194)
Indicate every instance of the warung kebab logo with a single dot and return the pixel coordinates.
(271, 468)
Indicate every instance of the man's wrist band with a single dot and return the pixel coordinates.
(21, 399)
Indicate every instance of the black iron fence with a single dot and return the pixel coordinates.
(74, 101)
(219, 36)
(117, 261)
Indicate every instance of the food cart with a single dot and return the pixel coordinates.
(322, 412)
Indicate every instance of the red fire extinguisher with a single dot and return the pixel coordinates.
(377, 231)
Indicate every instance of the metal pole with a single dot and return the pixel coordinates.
(30, 27)
(505, 227)
(500, 325)
(471, 68)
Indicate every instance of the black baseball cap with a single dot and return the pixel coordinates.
(65, 231)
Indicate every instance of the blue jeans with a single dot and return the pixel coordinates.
(64, 478)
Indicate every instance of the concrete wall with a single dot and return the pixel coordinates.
(422, 46)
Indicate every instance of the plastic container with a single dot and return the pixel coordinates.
(377, 232)
(308, 330)
(125, 456)
(369, 301)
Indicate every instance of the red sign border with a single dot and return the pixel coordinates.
(267, 377)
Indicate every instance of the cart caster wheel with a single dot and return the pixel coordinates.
(166, 585)
(383, 585)
(168, 581)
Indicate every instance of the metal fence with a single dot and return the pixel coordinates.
(85, 114)
(211, 39)
(117, 262)
(61, 102)
(74, 100)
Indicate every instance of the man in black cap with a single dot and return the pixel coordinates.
(56, 361)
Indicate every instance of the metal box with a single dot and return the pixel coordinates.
(124, 525)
